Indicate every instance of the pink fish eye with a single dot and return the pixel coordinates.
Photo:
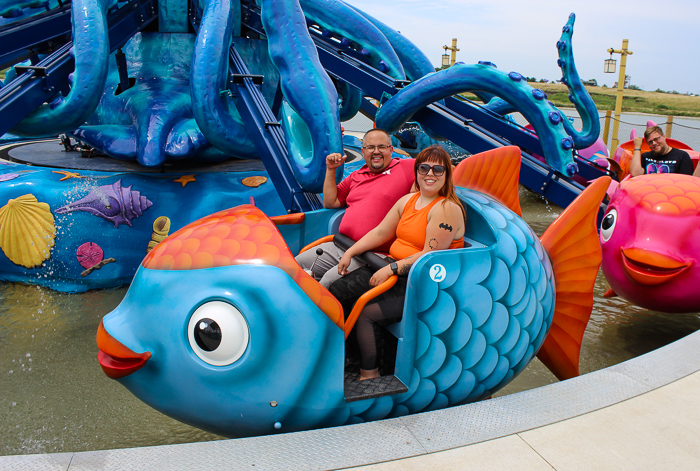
(608, 225)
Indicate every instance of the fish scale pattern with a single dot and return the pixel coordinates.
(678, 195)
(482, 324)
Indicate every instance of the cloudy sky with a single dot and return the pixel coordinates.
(521, 35)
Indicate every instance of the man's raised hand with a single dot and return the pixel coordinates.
(334, 161)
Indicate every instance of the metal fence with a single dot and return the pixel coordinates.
(687, 134)
(360, 123)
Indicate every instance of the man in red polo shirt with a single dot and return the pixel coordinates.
(369, 193)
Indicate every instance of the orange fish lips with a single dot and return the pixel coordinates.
(651, 268)
(116, 359)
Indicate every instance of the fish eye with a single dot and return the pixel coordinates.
(608, 225)
(218, 333)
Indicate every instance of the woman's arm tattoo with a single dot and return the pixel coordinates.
(406, 267)
(433, 244)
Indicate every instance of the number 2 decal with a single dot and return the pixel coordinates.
(437, 273)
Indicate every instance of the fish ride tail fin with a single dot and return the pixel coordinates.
(495, 173)
(574, 249)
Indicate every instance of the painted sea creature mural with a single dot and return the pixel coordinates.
(27, 231)
(127, 245)
(113, 203)
(91, 257)
(649, 238)
(161, 229)
(258, 345)
(89, 254)
(6, 177)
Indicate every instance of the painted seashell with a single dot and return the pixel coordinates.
(8, 176)
(254, 182)
(161, 228)
(27, 231)
(89, 254)
(113, 203)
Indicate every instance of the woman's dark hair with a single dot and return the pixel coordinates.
(440, 156)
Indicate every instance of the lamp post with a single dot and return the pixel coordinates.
(445, 61)
(610, 69)
(454, 50)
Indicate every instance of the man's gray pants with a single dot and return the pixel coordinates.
(325, 266)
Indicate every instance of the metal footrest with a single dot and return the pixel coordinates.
(356, 390)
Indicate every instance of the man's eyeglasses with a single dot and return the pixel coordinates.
(655, 140)
(438, 170)
(381, 148)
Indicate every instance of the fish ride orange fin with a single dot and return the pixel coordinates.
(574, 249)
(495, 173)
(610, 293)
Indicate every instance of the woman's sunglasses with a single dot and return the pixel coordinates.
(438, 170)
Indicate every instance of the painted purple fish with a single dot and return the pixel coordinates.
(8, 176)
(114, 203)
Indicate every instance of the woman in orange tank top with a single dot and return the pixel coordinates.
(431, 219)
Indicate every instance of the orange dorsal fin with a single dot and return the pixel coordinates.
(495, 173)
(573, 246)
(243, 235)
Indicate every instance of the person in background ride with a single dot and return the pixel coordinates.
(368, 192)
(662, 158)
(431, 219)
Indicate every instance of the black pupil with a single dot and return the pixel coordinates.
(207, 334)
(608, 221)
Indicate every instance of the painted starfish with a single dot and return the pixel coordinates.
(68, 174)
(185, 179)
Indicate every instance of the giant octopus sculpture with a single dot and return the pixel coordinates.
(178, 107)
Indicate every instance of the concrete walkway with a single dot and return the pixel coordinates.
(655, 431)
(638, 415)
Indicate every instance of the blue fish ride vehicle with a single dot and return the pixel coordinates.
(223, 330)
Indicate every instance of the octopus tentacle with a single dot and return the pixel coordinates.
(153, 129)
(499, 106)
(350, 99)
(578, 94)
(512, 87)
(344, 20)
(415, 63)
(91, 52)
(214, 111)
(308, 90)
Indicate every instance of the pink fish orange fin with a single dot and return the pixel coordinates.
(495, 173)
(573, 246)
(610, 293)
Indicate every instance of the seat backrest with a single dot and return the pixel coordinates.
(477, 227)
(334, 222)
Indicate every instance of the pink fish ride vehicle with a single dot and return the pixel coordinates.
(650, 239)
